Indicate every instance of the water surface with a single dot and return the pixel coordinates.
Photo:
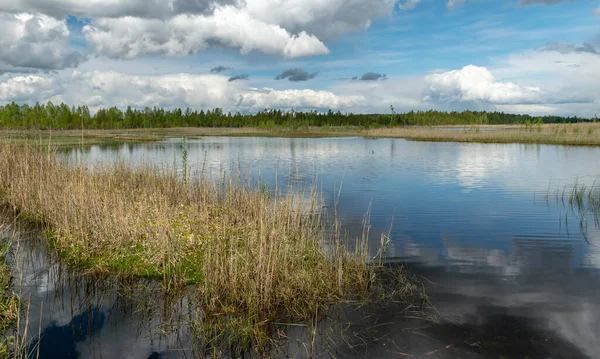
(511, 271)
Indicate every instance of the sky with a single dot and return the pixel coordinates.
(520, 56)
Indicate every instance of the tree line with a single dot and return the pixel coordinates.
(51, 116)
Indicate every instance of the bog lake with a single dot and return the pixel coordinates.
(510, 265)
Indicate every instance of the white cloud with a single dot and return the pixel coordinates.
(288, 28)
(110, 8)
(130, 37)
(477, 84)
(573, 79)
(105, 89)
(534, 82)
(34, 41)
(298, 99)
(597, 11)
(24, 88)
(324, 18)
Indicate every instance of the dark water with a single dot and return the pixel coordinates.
(513, 272)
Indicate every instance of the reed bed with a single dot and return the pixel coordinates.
(581, 134)
(578, 134)
(254, 258)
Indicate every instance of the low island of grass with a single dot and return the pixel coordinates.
(252, 257)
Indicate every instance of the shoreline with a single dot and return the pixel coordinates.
(582, 134)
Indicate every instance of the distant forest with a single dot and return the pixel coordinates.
(50, 116)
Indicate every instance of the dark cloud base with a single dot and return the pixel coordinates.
(219, 69)
(238, 77)
(296, 75)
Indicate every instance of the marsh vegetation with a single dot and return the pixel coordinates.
(9, 304)
(580, 203)
(254, 257)
(582, 134)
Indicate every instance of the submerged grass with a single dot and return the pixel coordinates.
(255, 259)
(580, 200)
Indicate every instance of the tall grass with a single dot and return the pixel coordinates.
(254, 258)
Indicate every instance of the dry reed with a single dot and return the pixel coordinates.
(254, 258)
(579, 134)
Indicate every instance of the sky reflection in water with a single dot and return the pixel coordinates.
(472, 218)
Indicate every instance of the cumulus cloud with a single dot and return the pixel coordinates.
(182, 35)
(118, 89)
(295, 75)
(105, 89)
(218, 69)
(298, 99)
(559, 88)
(323, 18)
(238, 77)
(288, 28)
(23, 88)
(563, 82)
(326, 18)
(113, 8)
(477, 84)
(34, 41)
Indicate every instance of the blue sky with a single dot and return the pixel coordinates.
(510, 55)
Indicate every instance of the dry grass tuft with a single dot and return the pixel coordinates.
(254, 258)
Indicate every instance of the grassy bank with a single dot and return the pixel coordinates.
(582, 134)
(254, 257)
